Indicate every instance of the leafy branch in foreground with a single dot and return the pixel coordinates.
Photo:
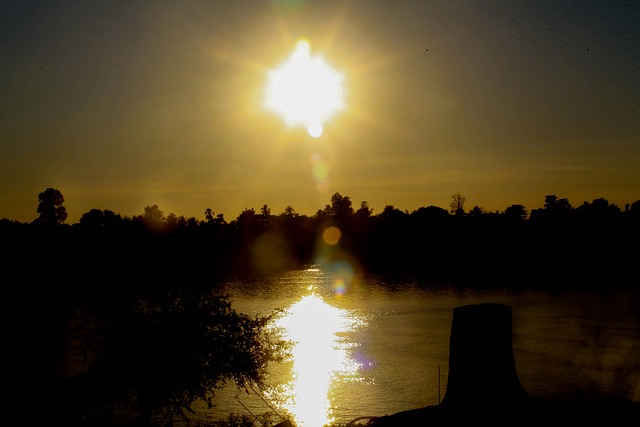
(158, 358)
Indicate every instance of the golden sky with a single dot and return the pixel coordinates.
(120, 105)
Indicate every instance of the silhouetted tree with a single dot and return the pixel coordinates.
(457, 204)
(364, 211)
(246, 227)
(391, 214)
(598, 210)
(476, 212)
(208, 215)
(153, 214)
(431, 214)
(361, 228)
(181, 221)
(555, 210)
(323, 214)
(100, 218)
(553, 204)
(289, 212)
(388, 244)
(220, 219)
(633, 209)
(516, 213)
(299, 232)
(265, 215)
(161, 355)
(247, 218)
(50, 207)
(153, 219)
(173, 221)
(341, 206)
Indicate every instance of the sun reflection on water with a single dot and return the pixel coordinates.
(319, 356)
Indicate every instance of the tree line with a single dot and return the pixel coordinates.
(557, 243)
(51, 211)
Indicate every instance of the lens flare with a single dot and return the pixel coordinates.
(320, 171)
(339, 287)
(331, 235)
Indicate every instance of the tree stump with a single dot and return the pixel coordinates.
(482, 369)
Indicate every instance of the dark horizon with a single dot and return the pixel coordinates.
(558, 243)
(457, 206)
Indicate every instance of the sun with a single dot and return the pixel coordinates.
(305, 90)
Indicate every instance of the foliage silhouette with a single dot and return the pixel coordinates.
(161, 356)
(156, 333)
(50, 207)
(554, 244)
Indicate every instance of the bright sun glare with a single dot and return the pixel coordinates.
(315, 326)
(305, 90)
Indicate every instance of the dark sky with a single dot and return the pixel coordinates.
(124, 104)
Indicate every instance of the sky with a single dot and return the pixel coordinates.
(126, 104)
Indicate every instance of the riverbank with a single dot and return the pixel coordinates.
(530, 411)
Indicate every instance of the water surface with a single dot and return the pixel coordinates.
(371, 345)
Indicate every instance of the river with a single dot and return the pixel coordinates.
(372, 345)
